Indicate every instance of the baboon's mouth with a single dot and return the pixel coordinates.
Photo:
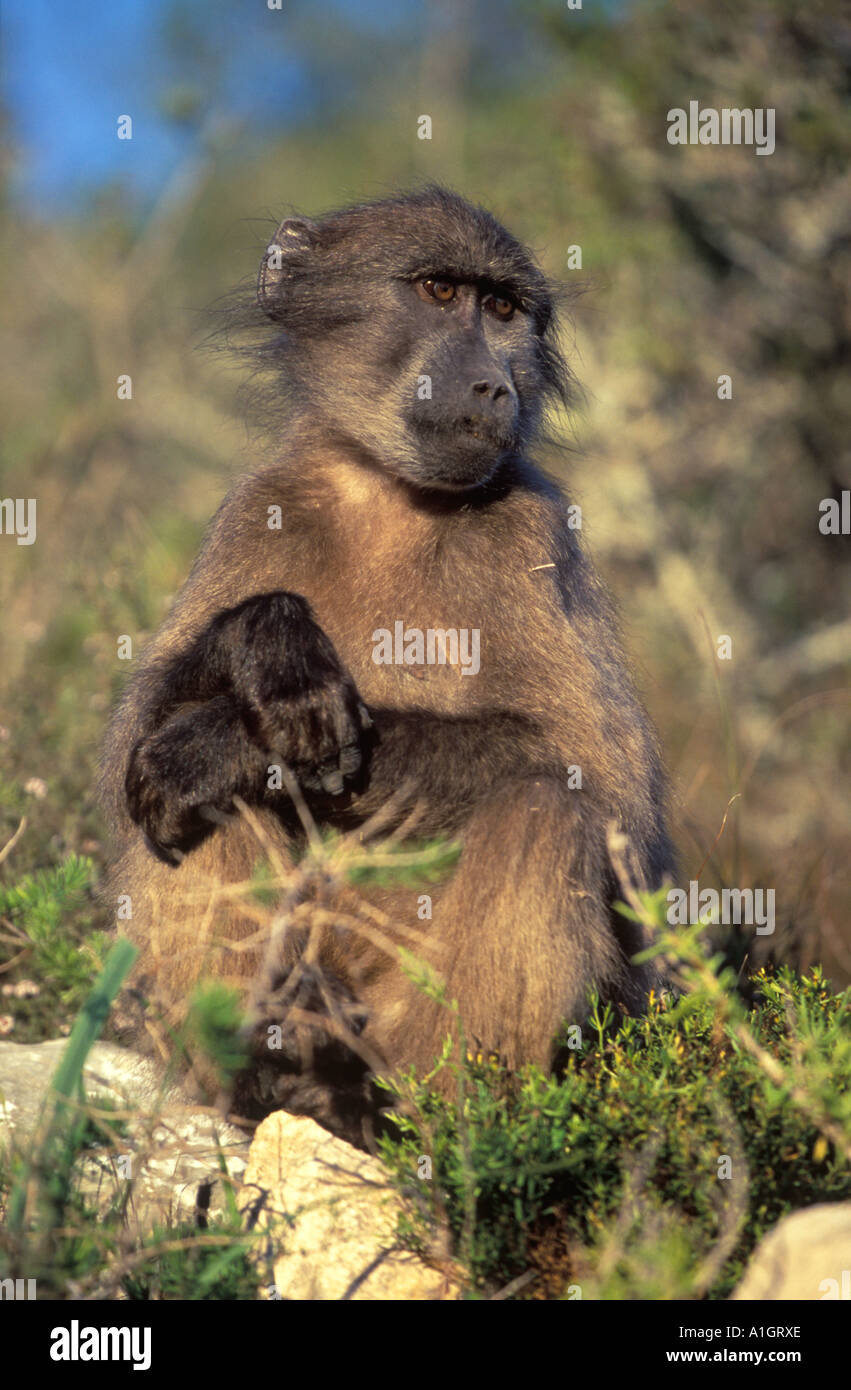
(496, 434)
(485, 432)
(473, 427)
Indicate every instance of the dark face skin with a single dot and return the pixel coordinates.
(444, 365)
(471, 338)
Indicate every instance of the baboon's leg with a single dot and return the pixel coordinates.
(188, 921)
(521, 932)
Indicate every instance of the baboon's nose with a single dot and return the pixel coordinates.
(493, 390)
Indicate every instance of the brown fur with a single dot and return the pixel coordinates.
(525, 925)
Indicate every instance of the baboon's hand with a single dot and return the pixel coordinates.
(300, 703)
(182, 778)
(260, 685)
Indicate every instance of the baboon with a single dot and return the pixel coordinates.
(413, 342)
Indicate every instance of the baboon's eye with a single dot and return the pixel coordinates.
(441, 290)
(500, 305)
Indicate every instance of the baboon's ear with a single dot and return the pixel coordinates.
(294, 237)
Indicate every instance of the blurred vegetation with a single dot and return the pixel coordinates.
(47, 934)
(702, 513)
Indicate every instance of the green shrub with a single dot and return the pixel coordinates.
(192, 1265)
(48, 920)
(610, 1172)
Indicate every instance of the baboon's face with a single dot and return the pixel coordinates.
(457, 368)
(437, 379)
(416, 330)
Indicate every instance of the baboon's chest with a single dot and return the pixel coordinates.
(453, 633)
(451, 613)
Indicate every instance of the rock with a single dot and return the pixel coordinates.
(342, 1244)
(26, 1069)
(327, 1211)
(169, 1146)
(806, 1256)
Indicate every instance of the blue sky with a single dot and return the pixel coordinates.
(70, 69)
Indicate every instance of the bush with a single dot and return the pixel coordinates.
(654, 1163)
